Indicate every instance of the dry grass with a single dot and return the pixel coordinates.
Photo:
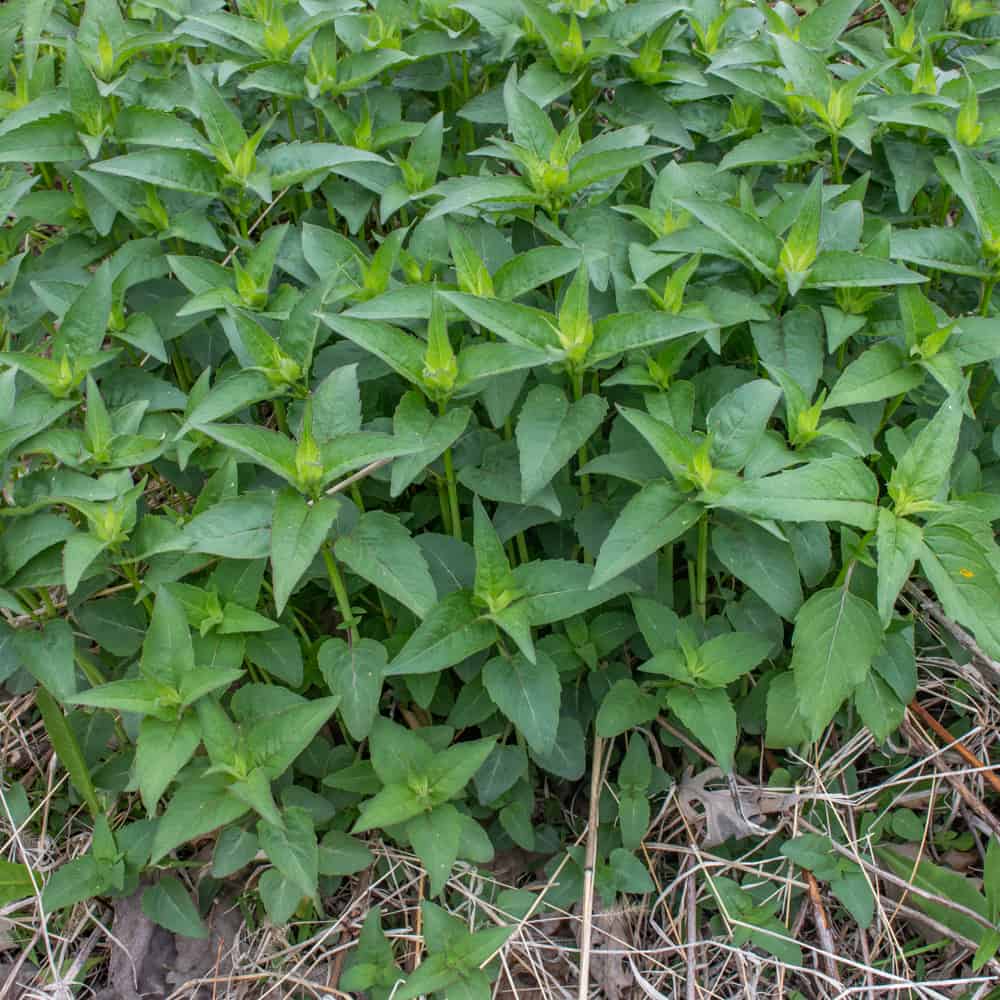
(674, 943)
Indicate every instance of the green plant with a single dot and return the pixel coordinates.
(396, 396)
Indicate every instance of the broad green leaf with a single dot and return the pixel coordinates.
(199, 806)
(85, 323)
(278, 739)
(964, 579)
(738, 421)
(354, 674)
(435, 839)
(403, 353)
(163, 748)
(748, 237)
(15, 882)
(654, 517)
(559, 588)
(272, 450)
(880, 372)
(521, 325)
(172, 169)
(169, 904)
(48, 655)
(839, 269)
(624, 706)
(550, 430)
(710, 716)
(167, 652)
(53, 139)
(898, 545)
(763, 562)
(67, 747)
(837, 634)
(832, 489)
(298, 531)
(940, 883)
(921, 475)
(622, 332)
(292, 849)
(493, 578)
(382, 551)
(452, 631)
(528, 694)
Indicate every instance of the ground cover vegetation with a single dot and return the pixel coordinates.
(441, 433)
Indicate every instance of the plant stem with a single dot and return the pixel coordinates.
(456, 517)
(701, 594)
(522, 548)
(442, 490)
(984, 308)
(280, 416)
(581, 455)
(838, 174)
(340, 591)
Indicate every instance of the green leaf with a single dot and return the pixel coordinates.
(622, 332)
(67, 748)
(268, 448)
(85, 323)
(727, 657)
(53, 139)
(298, 531)
(837, 634)
(292, 849)
(172, 169)
(169, 904)
(839, 269)
(435, 838)
(879, 707)
(710, 716)
(528, 693)
(15, 882)
(654, 517)
(898, 545)
(880, 372)
(167, 652)
(277, 740)
(48, 655)
(832, 489)
(520, 325)
(354, 674)
(766, 564)
(550, 430)
(452, 631)
(382, 551)
(921, 475)
(964, 579)
(749, 237)
(737, 422)
(942, 883)
(199, 806)
(624, 706)
(163, 748)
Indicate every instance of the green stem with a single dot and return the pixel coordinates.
(581, 455)
(281, 416)
(340, 591)
(456, 517)
(838, 174)
(668, 573)
(984, 308)
(356, 496)
(522, 548)
(50, 608)
(442, 490)
(701, 595)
